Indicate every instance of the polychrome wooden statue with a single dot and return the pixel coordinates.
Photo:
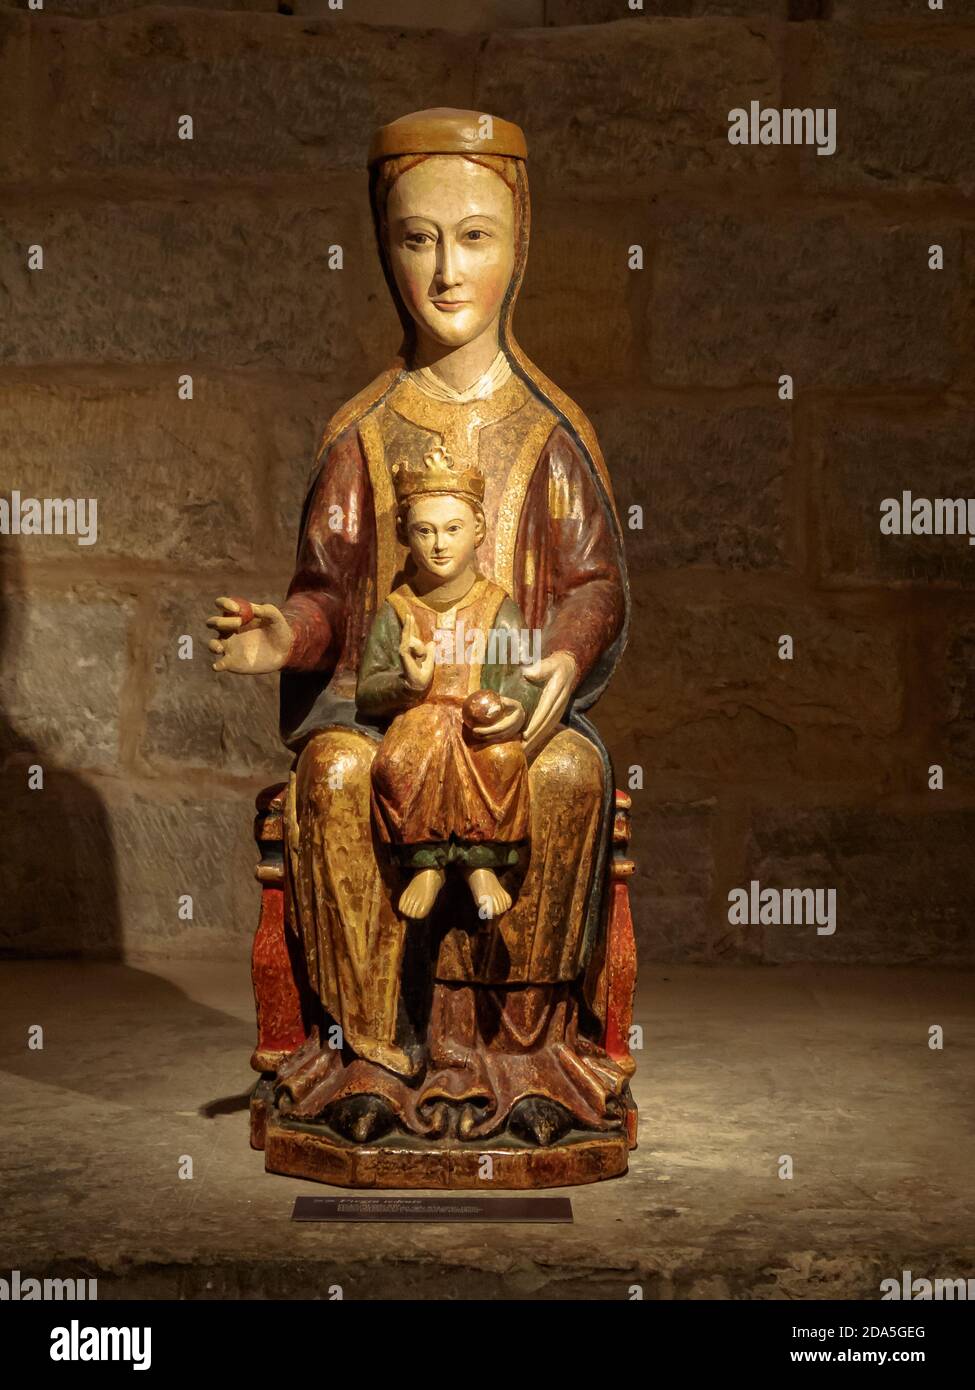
(444, 965)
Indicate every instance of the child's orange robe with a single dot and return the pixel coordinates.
(438, 794)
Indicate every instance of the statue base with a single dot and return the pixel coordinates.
(298, 1149)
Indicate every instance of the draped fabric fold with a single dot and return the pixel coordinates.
(494, 1048)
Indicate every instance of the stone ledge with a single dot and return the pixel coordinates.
(739, 1066)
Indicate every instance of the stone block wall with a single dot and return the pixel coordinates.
(165, 257)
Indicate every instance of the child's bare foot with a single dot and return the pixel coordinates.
(420, 894)
(487, 892)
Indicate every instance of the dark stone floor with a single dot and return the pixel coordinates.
(144, 1064)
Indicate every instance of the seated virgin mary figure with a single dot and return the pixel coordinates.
(459, 1026)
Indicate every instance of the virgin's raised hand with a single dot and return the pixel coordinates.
(255, 638)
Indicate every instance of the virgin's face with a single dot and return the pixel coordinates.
(450, 239)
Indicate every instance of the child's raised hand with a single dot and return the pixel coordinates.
(416, 655)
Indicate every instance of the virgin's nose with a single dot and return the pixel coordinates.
(448, 271)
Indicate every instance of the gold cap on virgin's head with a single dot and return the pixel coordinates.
(446, 130)
(437, 474)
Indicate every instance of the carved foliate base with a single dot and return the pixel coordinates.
(316, 1153)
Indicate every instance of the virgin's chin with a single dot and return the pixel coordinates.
(451, 329)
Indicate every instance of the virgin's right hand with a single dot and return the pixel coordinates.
(252, 648)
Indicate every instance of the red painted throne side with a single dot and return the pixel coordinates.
(285, 1008)
(281, 993)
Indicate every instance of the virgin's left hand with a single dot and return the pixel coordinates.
(558, 673)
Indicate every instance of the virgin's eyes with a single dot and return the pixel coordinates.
(423, 239)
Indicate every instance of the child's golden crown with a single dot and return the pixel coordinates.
(436, 474)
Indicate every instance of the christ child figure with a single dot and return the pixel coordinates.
(443, 662)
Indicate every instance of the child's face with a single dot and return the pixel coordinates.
(443, 534)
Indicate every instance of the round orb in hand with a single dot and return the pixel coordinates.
(245, 611)
(481, 708)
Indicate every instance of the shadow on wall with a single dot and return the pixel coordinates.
(58, 881)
